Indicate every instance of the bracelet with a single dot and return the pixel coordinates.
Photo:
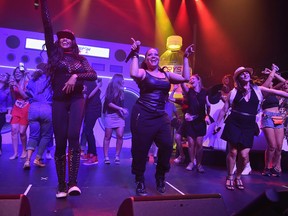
(135, 55)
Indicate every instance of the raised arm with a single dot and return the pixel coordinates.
(274, 91)
(135, 72)
(175, 78)
(93, 92)
(48, 30)
(272, 74)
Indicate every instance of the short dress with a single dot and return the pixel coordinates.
(240, 126)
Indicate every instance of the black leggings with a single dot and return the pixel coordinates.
(146, 128)
(67, 120)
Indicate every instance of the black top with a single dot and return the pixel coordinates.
(196, 102)
(67, 66)
(153, 92)
(270, 101)
(241, 105)
(94, 103)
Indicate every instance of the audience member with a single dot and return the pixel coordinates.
(39, 116)
(272, 123)
(114, 116)
(240, 126)
(93, 108)
(196, 117)
(19, 122)
(5, 103)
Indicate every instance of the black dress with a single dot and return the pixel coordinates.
(240, 126)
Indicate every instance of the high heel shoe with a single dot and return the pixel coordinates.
(13, 157)
(23, 155)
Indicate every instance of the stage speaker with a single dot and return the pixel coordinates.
(184, 205)
(269, 203)
(14, 205)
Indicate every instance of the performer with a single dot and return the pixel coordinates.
(149, 121)
(67, 70)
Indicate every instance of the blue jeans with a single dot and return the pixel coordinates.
(40, 123)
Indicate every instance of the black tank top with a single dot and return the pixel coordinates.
(241, 105)
(270, 101)
(153, 92)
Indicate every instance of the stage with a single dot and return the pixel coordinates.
(105, 187)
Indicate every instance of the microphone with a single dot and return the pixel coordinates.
(130, 55)
(36, 4)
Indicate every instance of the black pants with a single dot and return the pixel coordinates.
(146, 128)
(67, 119)
(87, 133)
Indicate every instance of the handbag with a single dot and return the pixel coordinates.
(277, 120)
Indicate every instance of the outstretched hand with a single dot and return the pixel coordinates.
(189, 50)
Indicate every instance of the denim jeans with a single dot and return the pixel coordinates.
(40, 123)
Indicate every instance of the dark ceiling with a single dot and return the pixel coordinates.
(257, 28)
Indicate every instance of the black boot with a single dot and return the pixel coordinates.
(160, 183)
(141, 189)
(73, 164)
(60, 164)
(140, 186)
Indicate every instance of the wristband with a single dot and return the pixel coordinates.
(135, 55)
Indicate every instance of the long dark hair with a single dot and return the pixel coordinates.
(58, 54)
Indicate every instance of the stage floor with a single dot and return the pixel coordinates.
(105, 187)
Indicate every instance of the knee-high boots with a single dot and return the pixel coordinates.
(61, 173)
(73, 165)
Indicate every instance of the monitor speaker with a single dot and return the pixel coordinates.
(269, 203)
(14, 205)
(184, 205)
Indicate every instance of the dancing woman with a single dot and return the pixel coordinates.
(67, 70)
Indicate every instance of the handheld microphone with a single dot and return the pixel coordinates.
(36, 4)
(130, 55)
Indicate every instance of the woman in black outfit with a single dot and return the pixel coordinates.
(67, 70)
(149, 121)
(240, 126)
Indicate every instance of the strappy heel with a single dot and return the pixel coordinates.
(230, 183)
(239, 184)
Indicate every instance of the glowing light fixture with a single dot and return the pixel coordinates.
(84, 49)
(163, 25)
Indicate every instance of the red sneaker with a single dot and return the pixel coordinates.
(93, 160)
